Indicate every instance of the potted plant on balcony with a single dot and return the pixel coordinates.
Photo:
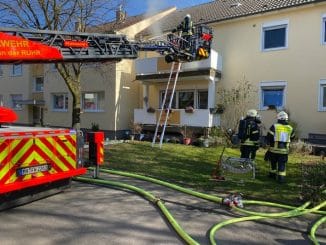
(189, 109)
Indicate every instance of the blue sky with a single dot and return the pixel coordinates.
(136, 7)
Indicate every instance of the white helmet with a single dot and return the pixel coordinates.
(252, 113)
(187, 16)
(282, 116)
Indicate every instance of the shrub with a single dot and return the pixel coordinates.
(313, 182)
(300, 147)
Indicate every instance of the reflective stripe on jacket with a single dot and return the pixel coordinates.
(282, 138)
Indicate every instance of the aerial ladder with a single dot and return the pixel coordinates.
(43, 46)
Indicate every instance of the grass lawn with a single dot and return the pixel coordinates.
(191, 167)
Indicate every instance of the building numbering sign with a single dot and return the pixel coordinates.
(13, 48)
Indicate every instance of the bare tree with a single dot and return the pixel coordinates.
(63, 15)
(236, 101)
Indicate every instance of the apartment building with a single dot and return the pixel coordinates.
(278, 46)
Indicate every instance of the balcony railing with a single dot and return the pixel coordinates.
(178, 117)
(158, 65)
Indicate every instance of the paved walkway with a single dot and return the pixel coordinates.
(86, 214)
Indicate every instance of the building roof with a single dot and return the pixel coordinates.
(111, 27)
(125, 22)
(221, 10)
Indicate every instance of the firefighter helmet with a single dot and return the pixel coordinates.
(252, 113)
(188, 16)
(282, 116)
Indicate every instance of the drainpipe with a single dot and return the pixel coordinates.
(145, 95)
(211, 92)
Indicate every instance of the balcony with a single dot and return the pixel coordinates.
(156, 68)
(178, 117)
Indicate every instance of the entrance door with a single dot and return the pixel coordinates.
(37, 115)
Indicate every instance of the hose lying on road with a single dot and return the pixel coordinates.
(314, 229)
(148, 196)
(166, 184)
(294, 211)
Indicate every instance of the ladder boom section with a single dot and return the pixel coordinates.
(33, 46)
(76, 46)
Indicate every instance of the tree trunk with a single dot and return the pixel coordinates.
(72, 78)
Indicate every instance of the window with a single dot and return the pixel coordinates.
(323, 30)
(17, 70)
(38, 84)
(167, 101)
(15, 99)
(185, 99)
(182, 99)
(93, 101)
(60, 102)
(272, 94)
(1, 70)
(322, 96)
(275, 35)
(1, 100)
(202, 99)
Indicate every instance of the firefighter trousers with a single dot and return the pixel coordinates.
(278, 165)
(248, 151)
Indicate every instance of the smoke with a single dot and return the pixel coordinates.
(155, 7)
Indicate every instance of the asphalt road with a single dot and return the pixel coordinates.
(87, 214)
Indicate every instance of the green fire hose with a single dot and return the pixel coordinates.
(195, 193)
(294, 211)
(314, 229)
(148, 196)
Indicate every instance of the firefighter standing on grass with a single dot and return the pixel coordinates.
(278, 138)
(249, 134)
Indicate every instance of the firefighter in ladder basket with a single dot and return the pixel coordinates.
(249, 134)
(186, 29)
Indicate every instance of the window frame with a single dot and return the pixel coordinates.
(272, 84)
(323, 31)
(186, 91)
(272, 26)
(321, 95)
(35, 84)
(176, 97)
(14, 105)
(14, 71)
(65, 97)
(97, 101)
(198, 99)
(161, 97)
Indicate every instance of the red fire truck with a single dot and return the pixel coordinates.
(37, 161)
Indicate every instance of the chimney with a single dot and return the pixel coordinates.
(120, 14)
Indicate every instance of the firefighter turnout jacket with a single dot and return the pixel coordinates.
(279, 137)
(252, 132)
